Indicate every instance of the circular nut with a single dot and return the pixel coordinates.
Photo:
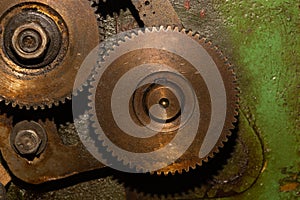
(30, 41)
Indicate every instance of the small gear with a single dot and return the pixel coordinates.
(114, 17)
(100, 19)
(164, 100)
(43, 44)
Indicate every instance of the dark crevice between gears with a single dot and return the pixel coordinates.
(109, 7)
(165, 185)
(140, 185)
(61, 114)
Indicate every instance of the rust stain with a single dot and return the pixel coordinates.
(289, 187)
(4, 176)
(187, 4)
(202, 13)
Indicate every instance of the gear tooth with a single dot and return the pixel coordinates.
(193, 166)
(94, 125)
(148, 29)
(141, 32)
(55, 103)
(125, 162)
(91, 90)
(49, 106)
(92, 84)
(119, 41)
(169, 28)
(198, 38)
(172, 172)
(164, 173)
(159, 173)
(221, 145)
(200, 163)
(114, 154)
(35, 107)
(176, 29)
(209, 43)
(236, 113)
(232, 127)
(14, 104)
(154, 29)
(90, 104)
(225, 58)
(180, 171)
(133, 33)
(78, 90)
(75, 93)
(230, 66)
(190, 33)
(204, 160)
(216, 48)
(69, 97)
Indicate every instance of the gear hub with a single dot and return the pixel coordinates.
(42, 47)
(32, 39)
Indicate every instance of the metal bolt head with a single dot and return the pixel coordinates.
(27, 142)
(28, 139)
(30, 41)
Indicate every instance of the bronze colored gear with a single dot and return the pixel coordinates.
(43, 44)
(164, 100)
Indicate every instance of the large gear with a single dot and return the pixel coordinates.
(163, 100)
(43, 44)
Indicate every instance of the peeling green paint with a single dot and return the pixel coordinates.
(266, 42)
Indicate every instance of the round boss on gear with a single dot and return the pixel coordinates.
(43, 44)
(163, 100)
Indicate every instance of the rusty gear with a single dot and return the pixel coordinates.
(43, 44)
(163, 90)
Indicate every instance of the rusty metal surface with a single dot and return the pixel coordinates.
(157, 13)
(39, 68)
(56, 162)
(4, 176)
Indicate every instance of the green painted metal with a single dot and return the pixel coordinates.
(266, 50)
